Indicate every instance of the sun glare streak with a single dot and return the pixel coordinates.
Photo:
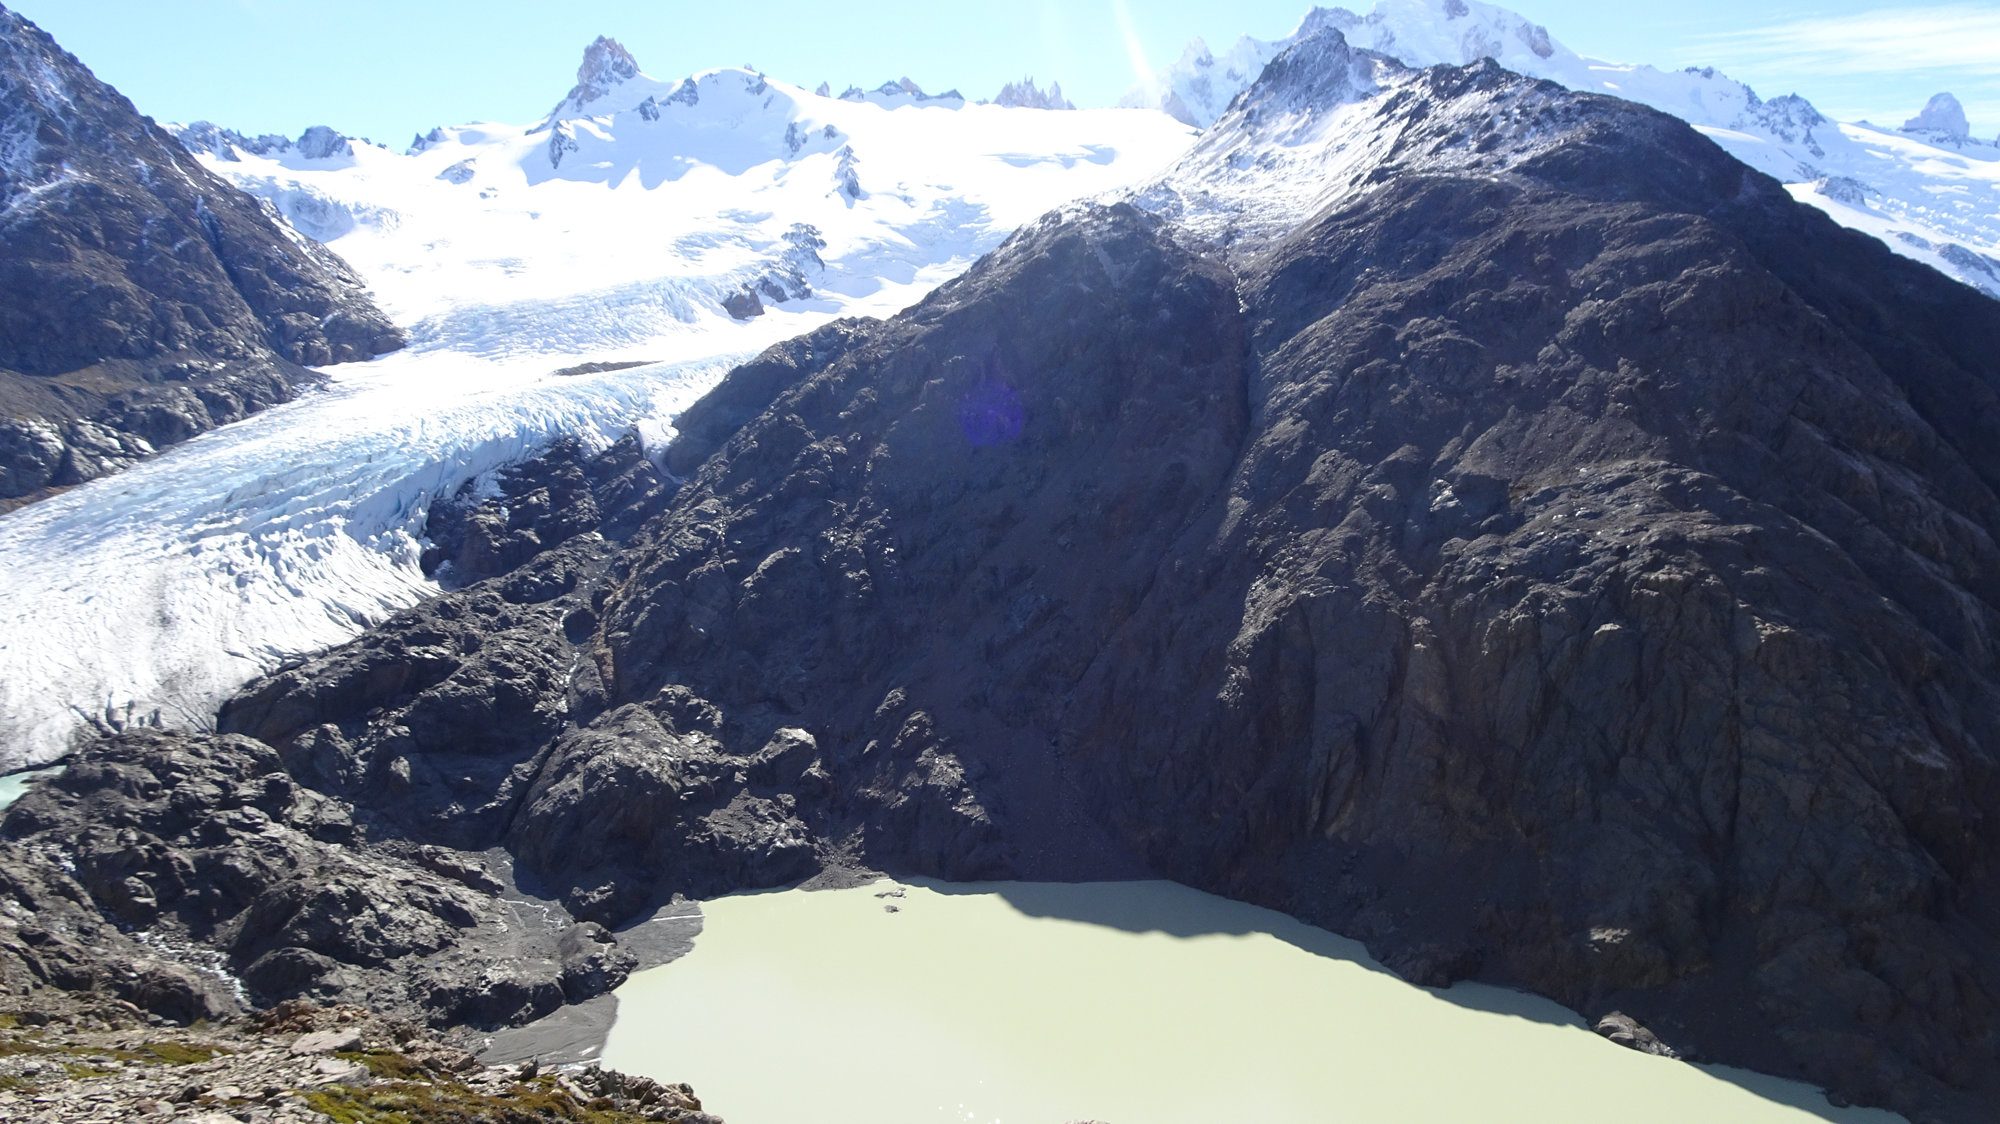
(1135, 52)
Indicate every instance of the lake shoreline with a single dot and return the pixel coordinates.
(918, 1000)
(576, 1033)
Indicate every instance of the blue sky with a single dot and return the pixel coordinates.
(389, 68)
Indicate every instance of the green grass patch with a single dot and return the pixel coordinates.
(386, 1064)
(84, 1071)
(174, 1053)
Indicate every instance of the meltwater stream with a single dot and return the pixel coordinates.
(1129, 1002)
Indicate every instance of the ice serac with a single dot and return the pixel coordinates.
(142, 300)
(1941, 118)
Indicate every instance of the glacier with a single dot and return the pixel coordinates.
(146, 598)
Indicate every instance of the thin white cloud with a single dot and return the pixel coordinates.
(1947, 37)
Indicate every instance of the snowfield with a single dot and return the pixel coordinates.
(149, 596)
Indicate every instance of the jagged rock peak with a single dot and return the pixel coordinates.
(1026, 95)
(606, 66)
(422, 141)
(1319, 69)
(606, 63)
(322, 142)
(1942, 116)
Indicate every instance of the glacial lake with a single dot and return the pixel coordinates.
(1125, 1002)
(13, 786)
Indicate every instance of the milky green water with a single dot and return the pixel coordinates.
(1129, 1002)
(15, 785)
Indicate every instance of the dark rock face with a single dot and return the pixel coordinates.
(208, 843)
(542, 503)
(1609, 613)
(142, 300)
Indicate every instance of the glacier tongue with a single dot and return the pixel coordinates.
(146, 598)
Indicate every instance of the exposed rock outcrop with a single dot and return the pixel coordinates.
(192, 875)
(542, 503)
(142, 300)
(296, 1064)
(606, 65)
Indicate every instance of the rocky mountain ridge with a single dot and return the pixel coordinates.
(142, 300)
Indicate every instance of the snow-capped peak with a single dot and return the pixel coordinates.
(901, 92)
(1458, 32)
(1929, 191)
(1197, 87)
(1319, 69)
(606, 66)
(1942, 117)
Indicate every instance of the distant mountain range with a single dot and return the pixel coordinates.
(1930, 190)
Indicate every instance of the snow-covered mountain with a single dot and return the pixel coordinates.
(1926, 189)
(639, 207)
(689, 222)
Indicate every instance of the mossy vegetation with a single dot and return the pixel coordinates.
(168, 1052)
(84, 1071)
(174, 1053)
(410, 1102)
(387, 1064)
